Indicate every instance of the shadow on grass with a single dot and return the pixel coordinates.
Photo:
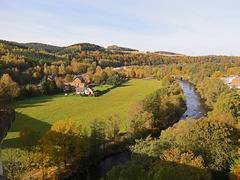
(19, 123)
(33, 102)
(123, 85)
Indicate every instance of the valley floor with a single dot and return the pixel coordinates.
(41, 112)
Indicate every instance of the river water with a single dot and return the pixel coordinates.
(195, 107)
(100, 170)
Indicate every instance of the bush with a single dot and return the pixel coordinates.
(96, 94)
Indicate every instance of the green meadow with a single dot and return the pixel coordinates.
(42, 112)
(102, 87)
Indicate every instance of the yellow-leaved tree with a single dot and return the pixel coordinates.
(61, 145)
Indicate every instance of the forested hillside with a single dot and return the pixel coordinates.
(26, 65)
(202, 149)
(43, 47)
(117, 48)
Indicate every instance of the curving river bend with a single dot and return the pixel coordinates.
(195, 107)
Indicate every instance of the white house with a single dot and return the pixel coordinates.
(232, 80)
(84, 90)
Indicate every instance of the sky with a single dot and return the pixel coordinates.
(191, 27)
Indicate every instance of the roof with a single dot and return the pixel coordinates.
(235, 82)
(78, 89)
(79, 77)
(51, 77)
(233, 78)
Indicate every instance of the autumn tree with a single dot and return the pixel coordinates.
(37, 76)
(96, 139)
(62, 69)
(187, 158)
(28, 138)
(59, 83)
(132, 73)
(175, 136)
(68, 78)
(228, 105)
(8, 89)
(175, 171)
(47, 70)
(210, 89)
(104, 76)
(139, 118)
(167, 80)
(112, 126)
(130, 170)
(13, 164)
(235, 167)
(114, 79)
(214, 141)
(45, 88)
(62, 142)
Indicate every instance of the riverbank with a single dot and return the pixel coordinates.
(194, 106)
(108, 163)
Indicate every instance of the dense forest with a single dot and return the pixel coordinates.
(196, 149)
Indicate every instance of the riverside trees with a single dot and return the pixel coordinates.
(158, 110)
(208, 146)
(193, 144)
(66, 146)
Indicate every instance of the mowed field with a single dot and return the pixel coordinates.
(42, 112)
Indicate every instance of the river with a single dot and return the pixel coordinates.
(195, 107)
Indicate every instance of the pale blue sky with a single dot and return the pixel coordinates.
(192, 27)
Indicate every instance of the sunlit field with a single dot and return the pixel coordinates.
(42, 112)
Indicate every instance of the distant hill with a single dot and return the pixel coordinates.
(167, 53)
(79, 47)
(117, 48)
(11, 43)
(43, 47)
(31, 51)
(88, 47)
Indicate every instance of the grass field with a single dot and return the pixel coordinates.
(102, 87)
(41, 112)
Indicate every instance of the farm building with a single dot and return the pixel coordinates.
(235, 82)
(81, 85)
(79, 81)
(86, 90)
(232, 80)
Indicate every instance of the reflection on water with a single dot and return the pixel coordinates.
(194, 105)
